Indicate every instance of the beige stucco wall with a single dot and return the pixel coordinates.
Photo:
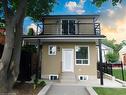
(87, 28)
(53, 28)
(52, 64)
(56, 28)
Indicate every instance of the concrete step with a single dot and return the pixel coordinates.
(68, 77)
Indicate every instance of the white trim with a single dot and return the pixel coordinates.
(49, 49)
(85, 77)
(88, 54)
(53, 75)
(72, 70)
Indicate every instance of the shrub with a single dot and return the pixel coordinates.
(112, 57)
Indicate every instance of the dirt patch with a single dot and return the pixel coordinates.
(26, 89)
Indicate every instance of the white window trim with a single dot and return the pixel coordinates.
(53, 75)
(49, 49)
(68, 26)
(83, 77)
(82, 59)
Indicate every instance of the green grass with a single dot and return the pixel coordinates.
(110, 91)
(118, 73)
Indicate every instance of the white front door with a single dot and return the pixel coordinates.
(67, 60)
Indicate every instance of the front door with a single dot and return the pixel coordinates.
(67, 60)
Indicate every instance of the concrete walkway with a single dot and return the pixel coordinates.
(77, 88)
(67, 90)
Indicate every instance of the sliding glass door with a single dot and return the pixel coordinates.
(68, 27)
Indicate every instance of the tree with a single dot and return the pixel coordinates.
(14, 13)
(98, 3)
(111, 43)
(112, 57)
(31, 32)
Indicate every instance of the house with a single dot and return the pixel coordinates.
(2, 40)
(122, 55)
(68, 46)
(105, 49)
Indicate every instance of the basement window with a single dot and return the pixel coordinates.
(83, 77)
(53, 77)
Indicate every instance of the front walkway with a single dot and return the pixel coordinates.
(67, 90)
(77, 88)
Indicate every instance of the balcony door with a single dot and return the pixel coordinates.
(68, 27)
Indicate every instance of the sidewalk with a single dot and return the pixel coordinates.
(91, 83)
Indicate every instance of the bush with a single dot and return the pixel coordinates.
(38, 83)
(112, 57)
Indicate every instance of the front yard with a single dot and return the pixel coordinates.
(118, 73)
(110, 91)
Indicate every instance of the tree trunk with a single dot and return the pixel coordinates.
(6, 57)
(9, 63)
(15, 61)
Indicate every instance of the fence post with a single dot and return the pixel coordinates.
(111, 70)
(101, 64)
(122, 71)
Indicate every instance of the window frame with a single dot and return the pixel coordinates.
(83, 59)
(49, 49)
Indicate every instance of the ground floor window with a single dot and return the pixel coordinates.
(82, 55)
(52, 50)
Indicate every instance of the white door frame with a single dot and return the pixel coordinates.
(72, 64)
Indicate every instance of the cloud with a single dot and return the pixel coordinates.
(113, 22)
(110, 12)
(72, 6)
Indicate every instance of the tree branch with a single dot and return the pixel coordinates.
(20, 10)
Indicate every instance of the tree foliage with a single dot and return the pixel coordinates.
(112, 57)
(98, 3)
(31, 32)
(14, 12)
(112, 43)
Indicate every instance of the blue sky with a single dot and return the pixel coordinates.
(112, 18)
(61, 7)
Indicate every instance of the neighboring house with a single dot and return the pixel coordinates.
(105, 49)
(2, 40)
(122, 55)
(68, 46)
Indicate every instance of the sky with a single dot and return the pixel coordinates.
(112, 18)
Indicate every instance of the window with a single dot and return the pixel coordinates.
(68, 27)
(52, 50)
(53, 77)
(83, 77)
(82, 55)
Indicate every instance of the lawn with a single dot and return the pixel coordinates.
(118, 73)
(110, 91)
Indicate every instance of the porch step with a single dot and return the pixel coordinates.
(68, 77)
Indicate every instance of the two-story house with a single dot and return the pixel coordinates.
(69, 46)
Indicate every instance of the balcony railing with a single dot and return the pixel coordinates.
(71, 29)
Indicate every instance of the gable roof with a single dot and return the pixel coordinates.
(105, 47)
